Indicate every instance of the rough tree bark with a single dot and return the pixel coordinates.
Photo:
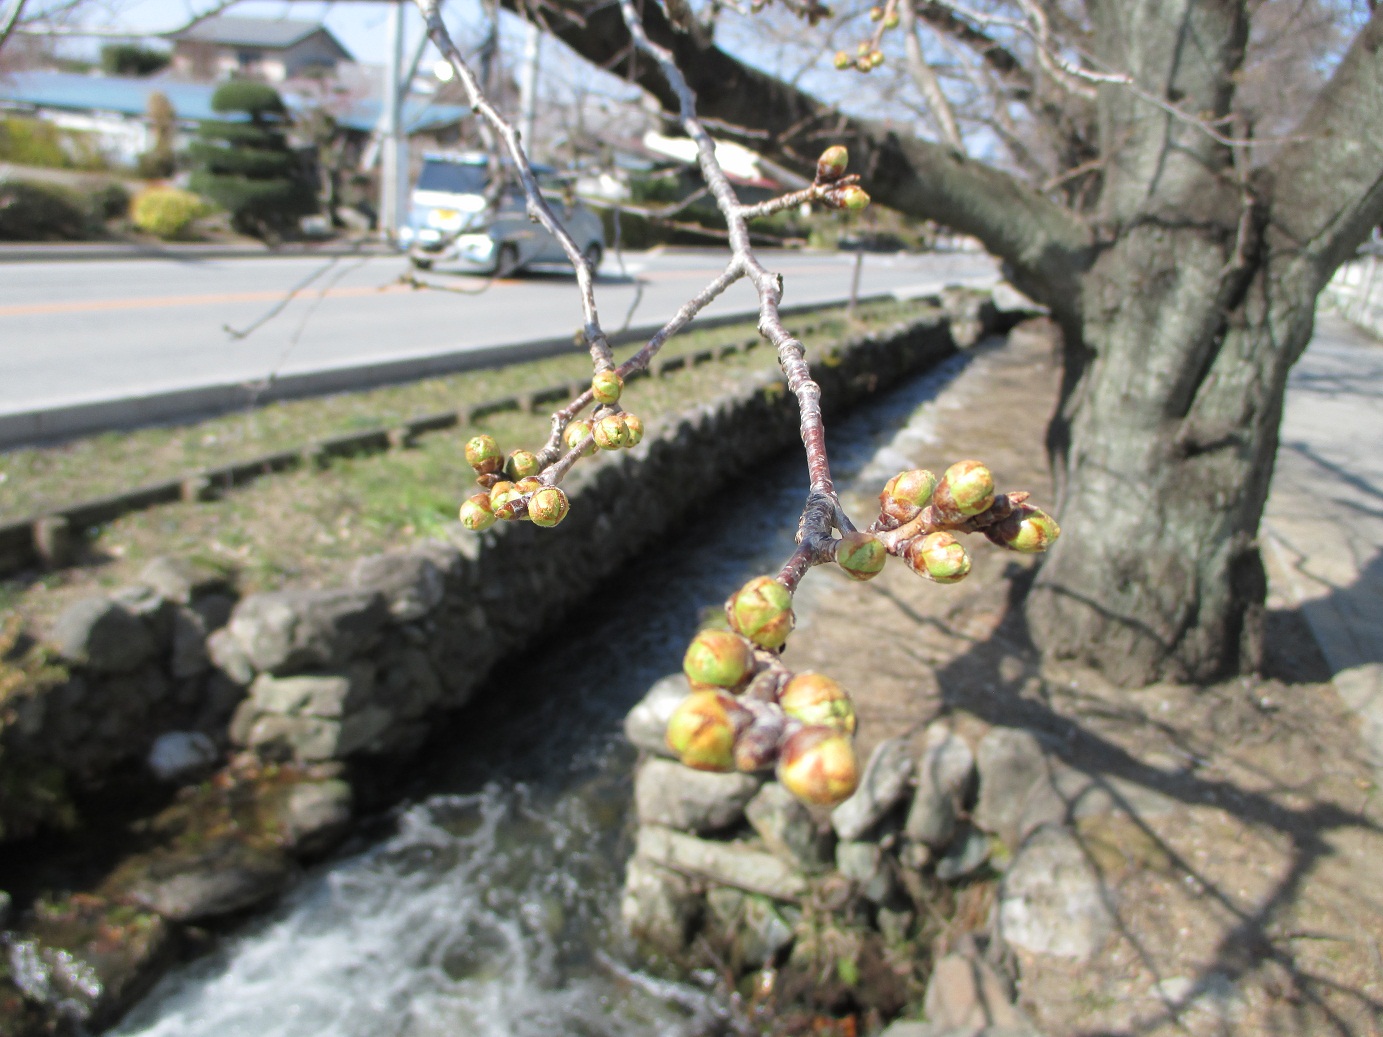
(1184, 299)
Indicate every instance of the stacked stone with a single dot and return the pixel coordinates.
(737, 855)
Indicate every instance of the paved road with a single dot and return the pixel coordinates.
(72, 333)
(1324, 521)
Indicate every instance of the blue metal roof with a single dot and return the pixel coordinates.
(192, 101)
(73, 92)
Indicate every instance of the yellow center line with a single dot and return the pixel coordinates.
(158, 302)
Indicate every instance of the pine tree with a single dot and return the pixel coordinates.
(246, 166)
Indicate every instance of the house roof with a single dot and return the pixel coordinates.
(267, 33)
(67, 91)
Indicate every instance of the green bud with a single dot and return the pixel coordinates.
(606, 386)
(891, 22)
(816, 699)
(842, 60)
(522, 463)
(575, 434)
(906, 494)
(852, 198)
(876, 58)
(702, 729)
(633, 425)
(831, 165)
(818, 765)
(502, 493)
(482, 454)
(611, 432)
(718, 658)
(876, 14)
(939, 557)
(1027, 529)
(476, 513)
(548, 506)
(861, 555)
(965, 489)
(761, 610)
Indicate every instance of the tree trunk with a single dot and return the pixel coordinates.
(1165, 437)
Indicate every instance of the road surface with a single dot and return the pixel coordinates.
(74, 333)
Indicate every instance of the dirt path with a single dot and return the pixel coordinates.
(1240, 839)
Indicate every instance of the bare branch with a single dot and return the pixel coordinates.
(925, 77)
(538, 208)
(10, 19)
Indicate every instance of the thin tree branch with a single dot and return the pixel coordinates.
(538, 208)
(925, 77)
(9, 21)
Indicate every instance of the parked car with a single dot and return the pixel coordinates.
(451, 222)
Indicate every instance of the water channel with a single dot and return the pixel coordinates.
(488, 904)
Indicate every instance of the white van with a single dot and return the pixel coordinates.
(449, 222)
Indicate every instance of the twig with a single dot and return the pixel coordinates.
(816, 520)
(538, 208)
(10, 20)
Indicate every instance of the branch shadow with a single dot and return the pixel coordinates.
(1080, 723)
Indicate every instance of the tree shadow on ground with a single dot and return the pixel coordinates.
(1223, 756)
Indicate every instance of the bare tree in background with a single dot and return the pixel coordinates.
(1180, 249)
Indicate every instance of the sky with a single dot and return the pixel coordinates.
(362, 26)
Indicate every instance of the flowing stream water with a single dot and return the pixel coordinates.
(489, 908)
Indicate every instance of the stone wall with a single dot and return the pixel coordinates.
(733, 862)
(177, 670)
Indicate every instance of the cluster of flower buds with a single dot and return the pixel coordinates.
(921, 515)
(748, 712)
(836, 188)
(868, 56)
(511, 488)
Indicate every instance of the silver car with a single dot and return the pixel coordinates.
(450, 223)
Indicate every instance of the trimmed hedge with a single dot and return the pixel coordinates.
(166, 211)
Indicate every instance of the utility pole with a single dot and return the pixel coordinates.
(528, 85)
(393, 180)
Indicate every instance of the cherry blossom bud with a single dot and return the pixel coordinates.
(606, 386)
(876, 58)
(482, 454)
(702, 730)
(831, 165)
(575, 434)
(906, 494)
(611, 432)
(1026, 529)
(548, 506)
(818, 766)
(718, 659)
(939, 557)
(861, 555)
(891, 22)
(876, 14)
(502, 493)
(761, 610)
(522, 463)
(842, 60)
(852, 198)
(965, 489)
(633, 425)
(476, 513)
(816, 699)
